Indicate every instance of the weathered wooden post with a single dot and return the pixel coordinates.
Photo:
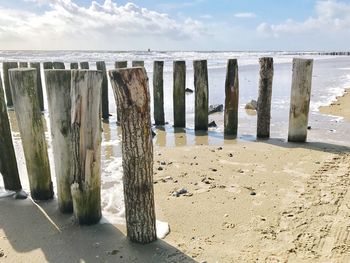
(39, 87)
(58, 84)
(86, 134)
(23, 64)
(120, 64)
(84, 65)
(179, 96)
(231, 99)
(138, 63)
(158, 93)
(6, 66)
(47, 65)
(101, 65)
(131, 89)
(201, 94)
(8, 162)
(300, 99)
(23, 87)
(74, 65)
(58, 65)
(264, 99)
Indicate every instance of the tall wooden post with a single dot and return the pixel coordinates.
(131, 89)
(6, 66)
(101, 65)
(158, 93)
(138, 63)
(201, 94)
(264, 100)
(23, 64)
(23, 87)
(74, 65)
(8, 162)
(58, 65)
(120, 64)
(300, 99)
(84, 65)
(58, 84)
(179, 96)
(86, 134)
(39, 87)
(47, 65)
(231, 99)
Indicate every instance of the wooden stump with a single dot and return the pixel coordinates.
(84, 65)
(58, 84)
(120, 64)
(101, 65)
(23, 64)
(8, 162)
(48, 65)
(6, 66)
(86, 134)
(158, 93)
(201, 94)
(179, 96)
(74, 65)
(138, 63)
(264, 100)
(58, 65)
(23, 87)
(131, 89)
(300, 99)
(231, 99)
(39, 88)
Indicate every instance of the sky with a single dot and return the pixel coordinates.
(208, 25)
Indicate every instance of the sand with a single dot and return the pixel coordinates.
(243, 201)
(340, 107)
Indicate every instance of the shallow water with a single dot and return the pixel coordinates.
(331, 75)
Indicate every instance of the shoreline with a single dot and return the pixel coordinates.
(340, 107)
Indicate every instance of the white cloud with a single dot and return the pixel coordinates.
(331, 17)
(245, 15)
(68, 25)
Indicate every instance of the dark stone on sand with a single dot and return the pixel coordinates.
(212, 124)
(309, 127)
(252, 193)
(187, 90)
(216, 108)
(20, 195)
(160, 168)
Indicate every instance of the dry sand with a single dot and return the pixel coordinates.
(266, 201)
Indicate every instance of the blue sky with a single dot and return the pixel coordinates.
(175, 25)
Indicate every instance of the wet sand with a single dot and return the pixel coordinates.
(242, 201)
(340, 107)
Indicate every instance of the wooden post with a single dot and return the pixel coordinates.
(300, 99)
(23, 87)
(201, 94)
(6, 66)
(264, 100)
(23, 64)
(158, 93)
(231, 99)
(131, 89)
(101, 65)
(84, 65)
(48, 65)
(86, 134)
(8, 162)
(179, 96)
(74, 65)
(58, 65)
(39, 88)
(138, 63)
(58, 84)
(120, 64)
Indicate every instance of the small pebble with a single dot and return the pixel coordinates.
(160, 168)
(252, 193)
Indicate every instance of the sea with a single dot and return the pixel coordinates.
(331, 76)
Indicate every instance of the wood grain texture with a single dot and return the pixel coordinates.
(158, 92)
(39, 87)
(179, 96)
(6, 66)
(201, 87)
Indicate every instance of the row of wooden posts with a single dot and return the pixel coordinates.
(74, 100)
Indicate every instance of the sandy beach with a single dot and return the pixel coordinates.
(242, 201)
